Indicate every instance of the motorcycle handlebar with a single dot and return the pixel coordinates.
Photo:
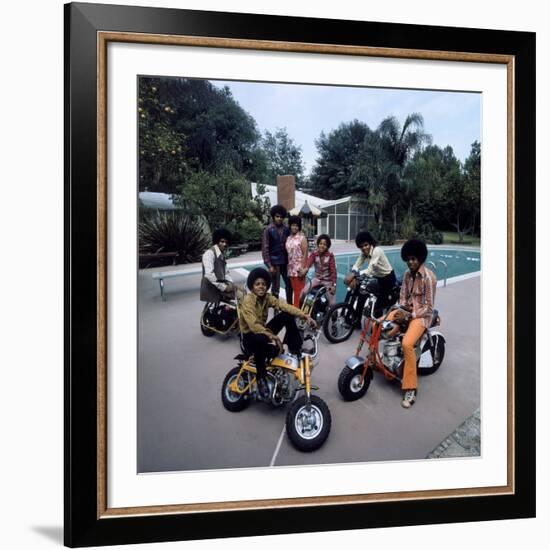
(372, 298)
(314, 336)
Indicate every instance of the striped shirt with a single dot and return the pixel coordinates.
(325, 266)
(418, 294)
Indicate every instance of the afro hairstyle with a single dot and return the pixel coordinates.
(297, 220)
(258, 273)
(278, 209)
(220, 234)
(416, 248)
(324, 237)
(364, 237)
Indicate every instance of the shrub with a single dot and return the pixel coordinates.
(408, 227)
(437, 237)
(174, 232)
(429, 234)
(248, 231)
(384, 235)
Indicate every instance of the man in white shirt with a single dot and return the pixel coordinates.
(378, 266)
(217, 283)
(377, 263)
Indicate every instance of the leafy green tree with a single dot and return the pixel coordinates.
(400, 143)
(282, 157)
(353, 159)
(219, 131)
(190, 125)
(424, 179)
(435, 181)
(457, 196)
(261, 206)
(374, 176)
(472, 177)
(334, 173)
(223, 199)
(162, 149)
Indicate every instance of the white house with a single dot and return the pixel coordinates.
(345, 217)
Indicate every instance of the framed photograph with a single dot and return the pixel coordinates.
(368, 175)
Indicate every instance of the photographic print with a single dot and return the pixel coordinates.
(293, 274)
(357, 173)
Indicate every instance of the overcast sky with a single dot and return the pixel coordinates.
(452, 118)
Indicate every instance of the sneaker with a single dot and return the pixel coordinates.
(263, 389)
(409, 397)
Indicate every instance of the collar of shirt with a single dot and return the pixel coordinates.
(421, 271)
(217, 251)
(279, 228)
(365, 257)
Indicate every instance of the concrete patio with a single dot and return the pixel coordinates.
(182, 424)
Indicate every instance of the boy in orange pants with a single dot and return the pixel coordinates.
(416, 302)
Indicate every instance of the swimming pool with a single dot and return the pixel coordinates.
(458, 262)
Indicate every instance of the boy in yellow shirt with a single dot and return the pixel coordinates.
(258, 334)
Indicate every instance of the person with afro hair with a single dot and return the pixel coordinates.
(274, 251)
(378, 266)
(258, 334)
(325, 267)
(216, 283)
(415, 307)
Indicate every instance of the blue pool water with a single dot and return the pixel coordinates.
(459, 262)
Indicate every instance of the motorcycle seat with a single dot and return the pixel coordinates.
(435, 318)
(316, 287)
(243, 356)
(272, 352)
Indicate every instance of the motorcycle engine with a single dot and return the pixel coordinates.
(319, 309)
(281, 382)
(392, 355)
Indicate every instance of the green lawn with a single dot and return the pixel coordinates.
(451, 237)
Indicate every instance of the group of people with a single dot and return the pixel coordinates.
(286, 256)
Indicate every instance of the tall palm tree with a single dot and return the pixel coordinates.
(401, 142)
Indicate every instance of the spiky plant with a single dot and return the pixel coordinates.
(174, 232)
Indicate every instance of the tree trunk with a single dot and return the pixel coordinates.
(156, 179)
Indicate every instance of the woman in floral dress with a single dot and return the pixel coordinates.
(296, 247)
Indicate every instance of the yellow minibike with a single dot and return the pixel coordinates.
(308, 420)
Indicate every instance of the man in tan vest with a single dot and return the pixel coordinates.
(216, 283)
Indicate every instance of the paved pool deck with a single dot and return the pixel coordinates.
(182, 424)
